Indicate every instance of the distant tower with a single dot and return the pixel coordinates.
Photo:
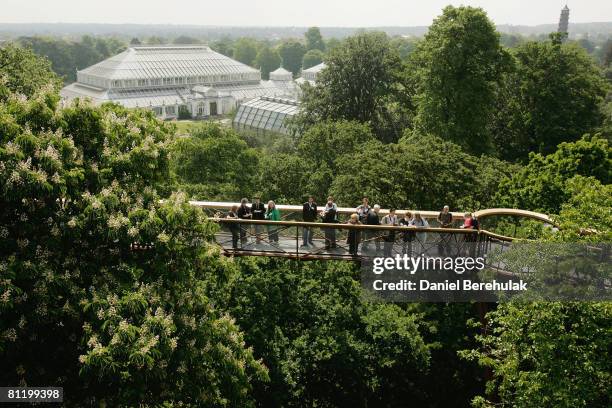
(564, 21)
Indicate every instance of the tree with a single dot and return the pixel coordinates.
(245, 51)
(547, 354)
(458, 65)
(215, 162)
(155, 40)
(224, 46)
(184, 39)
(107, 291)
(324, 343)
(553, 96)
(586, 209)
(267, 61)
(541, 184)
(405, 46)
(84, 55)
(423, 172)
(332, 43)
(312, 58)
(58, 51)
(555, 353)
(362, 82)
(67, 57)
(23, 72)
(314, 40)
(135, 41)
(291, 53)
(326, 141)
(184, 112)
(283, 179)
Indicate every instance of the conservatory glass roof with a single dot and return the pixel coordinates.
(167, 61)
(266, 113)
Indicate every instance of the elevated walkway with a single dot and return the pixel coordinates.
(331, 241)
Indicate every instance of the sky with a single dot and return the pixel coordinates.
(337, 13)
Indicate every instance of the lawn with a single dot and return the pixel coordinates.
(185, 126)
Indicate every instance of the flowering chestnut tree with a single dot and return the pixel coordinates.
(104, 289)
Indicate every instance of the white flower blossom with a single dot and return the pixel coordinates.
(133, 231)
(10, 335)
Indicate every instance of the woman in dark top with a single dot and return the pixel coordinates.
(407, 236)
(234, 228)
(244, 212)
(354, 235)
(329, 217)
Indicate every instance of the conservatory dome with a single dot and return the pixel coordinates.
(281, 74)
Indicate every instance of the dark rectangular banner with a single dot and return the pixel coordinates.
(523, 271)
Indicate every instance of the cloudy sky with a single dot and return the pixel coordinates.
(347, 13)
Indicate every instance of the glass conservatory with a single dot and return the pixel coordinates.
(171, 79)
(265, 115)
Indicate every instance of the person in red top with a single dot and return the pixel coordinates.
(468, 221)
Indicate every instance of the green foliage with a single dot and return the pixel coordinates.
(363, 82)
(184, 39)
(553, 95)
(184, 113)
(312, 58)
(324, 142)
(548, 354)
(291, 53)
(323, 342)
(404, 46)
(245, 51)
(24, 72)
(586, 213)
(156, 40)
(286, 178)
(314, 40)
(541, 184)
(458, 65)
(267, 60)
(69, 56)
(418, 172)
(224, 46)
(83, 308)
(215, 162)
(451, 381)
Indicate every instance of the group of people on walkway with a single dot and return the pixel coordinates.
(256, 211)
(364, 215)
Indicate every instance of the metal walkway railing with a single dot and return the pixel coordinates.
(308, 240)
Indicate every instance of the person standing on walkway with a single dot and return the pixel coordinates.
(407, 236)
(233, 227)
(309, 214)
(272, 214)
(363, 210)
(420, 222)
(244, 213)
(329, 216)
(258, 209)
(354, 235)
(389, 220)
(445, 218)
(372, 219)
